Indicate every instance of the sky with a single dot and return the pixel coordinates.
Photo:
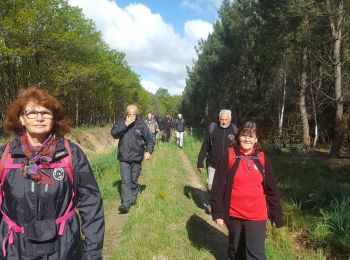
(158, 37)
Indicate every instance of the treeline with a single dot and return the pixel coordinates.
(51, 44)
(284, 63)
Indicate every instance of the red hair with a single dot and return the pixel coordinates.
(40, 97)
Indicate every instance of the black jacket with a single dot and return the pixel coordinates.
(222, 189)
(166, 124)
(215, 148)
(23, 206)
(180, 125)
(133, 140)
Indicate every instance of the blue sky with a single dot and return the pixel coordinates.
(176, 14)
(158, 37)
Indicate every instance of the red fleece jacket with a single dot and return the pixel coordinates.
(247, 197)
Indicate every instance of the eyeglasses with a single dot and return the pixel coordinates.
(32, 114)
(247, 137)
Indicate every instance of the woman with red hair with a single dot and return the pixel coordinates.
(45, 181)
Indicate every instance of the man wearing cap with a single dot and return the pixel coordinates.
(180, 127)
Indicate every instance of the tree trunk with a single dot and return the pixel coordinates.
(336, 30)
(315, 117)
(280, 123)
(302, 101)
(77, 112)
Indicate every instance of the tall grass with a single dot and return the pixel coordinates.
(106, 171)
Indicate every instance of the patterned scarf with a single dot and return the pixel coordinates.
(36, 156)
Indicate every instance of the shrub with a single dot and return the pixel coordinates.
(337, 219)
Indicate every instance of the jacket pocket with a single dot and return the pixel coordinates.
(41, 237)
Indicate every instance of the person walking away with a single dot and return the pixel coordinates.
(180, 128)
(45, 181)
(135, 144)
(166, 127)
(244, 195)
(214, 147)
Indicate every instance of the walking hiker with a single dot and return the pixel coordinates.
(214, 147)
(45, 179)
(180, 128)
(166, 127)
(244, 195)
(152, 125)
(135, 144)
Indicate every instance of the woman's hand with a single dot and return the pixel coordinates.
(220, 222)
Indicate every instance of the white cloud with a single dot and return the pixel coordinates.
(150, 86)
(200, 7)
(193, 6)
(150, 44)
(197, 29)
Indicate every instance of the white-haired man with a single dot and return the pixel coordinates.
(180, 128)
(214, 147)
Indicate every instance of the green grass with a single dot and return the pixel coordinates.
(106, 171)
(161, 226)
(192, 146)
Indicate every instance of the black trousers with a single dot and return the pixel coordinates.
(246, 239)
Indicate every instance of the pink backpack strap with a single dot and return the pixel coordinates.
(261, 157)
(68, 161)
(69, 211)
(231, 157)
(12, 227)
(5, 159)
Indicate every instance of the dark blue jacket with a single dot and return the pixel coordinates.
(134, 140)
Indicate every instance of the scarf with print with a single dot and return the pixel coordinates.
(35, 156)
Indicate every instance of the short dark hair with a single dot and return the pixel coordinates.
(250, 127)
(41, 97)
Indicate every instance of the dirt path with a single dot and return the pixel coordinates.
(217, 245)
(114, 223)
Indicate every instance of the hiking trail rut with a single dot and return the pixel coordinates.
(217, 245)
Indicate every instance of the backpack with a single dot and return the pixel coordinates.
(211, 130)
(37, 244)
(234, 156)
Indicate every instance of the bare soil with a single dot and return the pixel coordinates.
(114, 223)
(217, 244)
(93, 140)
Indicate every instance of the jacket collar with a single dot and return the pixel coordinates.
(17, 151)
